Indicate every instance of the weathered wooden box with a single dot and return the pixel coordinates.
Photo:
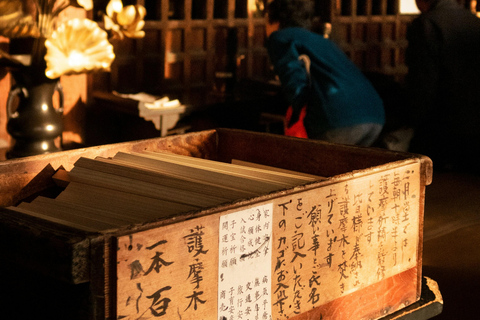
(345, 247)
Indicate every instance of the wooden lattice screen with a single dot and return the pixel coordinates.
(188, 44)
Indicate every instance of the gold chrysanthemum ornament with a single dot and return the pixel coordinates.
(78, 46)
(125, 21)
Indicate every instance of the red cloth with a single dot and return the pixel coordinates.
(297, 129)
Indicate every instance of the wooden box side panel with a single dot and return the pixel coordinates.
(61, 253)
(310, 156)
(305, 254)
(397, 293)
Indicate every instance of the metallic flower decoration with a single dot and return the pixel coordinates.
(125, 21)
(78, 46)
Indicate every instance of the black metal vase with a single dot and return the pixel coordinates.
(35, 123)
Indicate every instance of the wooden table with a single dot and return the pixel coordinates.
(163, 118)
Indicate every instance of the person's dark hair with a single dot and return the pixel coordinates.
(291, 13)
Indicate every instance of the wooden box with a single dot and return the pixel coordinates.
(348, 246)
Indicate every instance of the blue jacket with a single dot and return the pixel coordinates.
(337, 94)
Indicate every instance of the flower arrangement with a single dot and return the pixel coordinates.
(68, 46)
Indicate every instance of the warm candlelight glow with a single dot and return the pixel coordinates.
(77, 46)
(77, 58)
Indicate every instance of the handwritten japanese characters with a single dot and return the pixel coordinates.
(244, 271)
(166, 271)
(338, 239)
(274, 259)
